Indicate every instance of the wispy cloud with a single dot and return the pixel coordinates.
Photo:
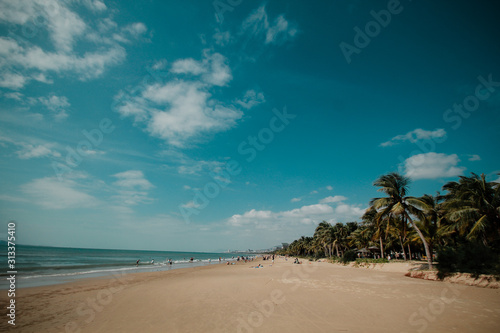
(57, 105)
(23, 62)
(414, 136)
(29, 151)
(333, 199)
(131, 188)
(31, 148)
(50, 193)
(473, 158)
(257, 25)
(432, 166)
(251, 99)
(132, 179)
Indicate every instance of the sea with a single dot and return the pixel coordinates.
(43, 265)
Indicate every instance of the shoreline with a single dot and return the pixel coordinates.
(64, 278)
(315, 296)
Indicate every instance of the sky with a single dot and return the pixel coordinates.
(234, 124)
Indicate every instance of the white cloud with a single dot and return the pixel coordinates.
(192, 167)
(257, 24)
(180, 110)
(136, 29)
(18, 12)
(415, 135)
(474, 158)
(307, 211)
(329, 188)
(188, 66)
(30, 151)
(432, 166)
(333, 199)
(222, 38)
(131, 179)
(280, 31)
(14, 95)
(31, 148)
(65, 29)
(213, 69)
(252, 217)
(95, 5)
(57, 105)
(64, 25)
(12, 80)
(51, 193)
(190, 204)
(251, 99)
(132, 188)
(349, 212)
(159, 65)
(305, 215)
(295, 200)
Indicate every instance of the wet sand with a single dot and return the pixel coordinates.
(312, 297)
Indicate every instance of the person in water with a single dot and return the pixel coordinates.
(137, 262)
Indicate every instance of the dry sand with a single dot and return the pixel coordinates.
(312, 297)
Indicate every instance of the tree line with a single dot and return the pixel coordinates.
(467, 216)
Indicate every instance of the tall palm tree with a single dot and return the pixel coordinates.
(399, 204)
(473, 208)
(379, 226)
(361, 237)
(324, 236)
(340, 233)
(432, 222)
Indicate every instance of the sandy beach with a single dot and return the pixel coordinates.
(312, 297)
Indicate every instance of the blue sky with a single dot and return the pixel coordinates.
(207, 126)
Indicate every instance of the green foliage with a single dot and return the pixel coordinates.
(349, 256)
(471, 257)
(468, 214)
(371, 261)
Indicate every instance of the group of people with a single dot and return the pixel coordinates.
(192, 259)
(246, 259)
(169, 261)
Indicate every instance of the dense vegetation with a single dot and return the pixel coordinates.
(461, 228)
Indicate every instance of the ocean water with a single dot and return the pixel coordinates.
(40, 265)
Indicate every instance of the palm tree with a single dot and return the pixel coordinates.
(379, 226)
(398, 204)
(433, 221)
(361, 237)
(473, 208)
(340, 233)
(324, 236)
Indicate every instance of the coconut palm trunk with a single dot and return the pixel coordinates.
(402, 247)
(382, 254)
(426, 245)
